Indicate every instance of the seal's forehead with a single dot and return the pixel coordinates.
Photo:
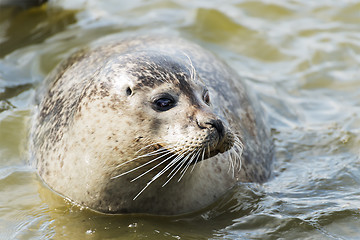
(153, 69)
(150, 69)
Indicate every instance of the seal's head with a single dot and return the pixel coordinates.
(171, 108)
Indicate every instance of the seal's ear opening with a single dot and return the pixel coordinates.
(128, 91)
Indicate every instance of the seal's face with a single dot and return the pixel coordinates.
(172, 111)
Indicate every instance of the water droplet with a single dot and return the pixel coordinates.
(89, 232)
(132, 225)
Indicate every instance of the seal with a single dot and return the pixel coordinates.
(148, 124)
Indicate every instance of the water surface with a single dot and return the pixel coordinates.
(301, 58)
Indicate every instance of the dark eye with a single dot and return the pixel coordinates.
(164, 104)
(206, 97)
(128, 91)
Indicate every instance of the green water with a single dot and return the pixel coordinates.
(301, 58)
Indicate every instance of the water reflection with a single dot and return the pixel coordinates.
(24, 28)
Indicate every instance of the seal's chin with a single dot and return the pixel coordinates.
(220, 149)
(212, 153)
(221, 144)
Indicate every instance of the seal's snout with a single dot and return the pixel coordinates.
(208, 123)
(219, 126)
(219, 139)
(213, 124)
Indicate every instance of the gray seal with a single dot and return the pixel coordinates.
(147, 124)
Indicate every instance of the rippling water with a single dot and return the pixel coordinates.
(300, 57)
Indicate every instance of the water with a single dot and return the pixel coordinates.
(300, 57)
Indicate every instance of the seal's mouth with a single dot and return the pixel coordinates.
(192, 150)
(220, 149)
(197, 155)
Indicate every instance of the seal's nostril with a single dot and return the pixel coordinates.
(219, 126)
(215, 123)
(201, 124)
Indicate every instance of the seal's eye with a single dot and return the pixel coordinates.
(128, 91)
(163, 103)
(206, 97)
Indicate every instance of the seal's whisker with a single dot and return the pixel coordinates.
(203, 156)
(152, 144)
(155, 152)
(233, 161)
(157, 175)
(238, 154)
(167, 168)
(149, 154)
(183, 161)
(146, 172)
(197, 159)
(235, 158)
(192, 70)
(142, 165)
(180, 162)
(163, 170)
(209, 154)
(231, 158)
(193, 156)
(142, 190)
(188, 164)
(234, 155)
(178, 167)
(134, 159)
(173, 162)
(239, 143)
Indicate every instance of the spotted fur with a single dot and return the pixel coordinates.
(98, 140)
